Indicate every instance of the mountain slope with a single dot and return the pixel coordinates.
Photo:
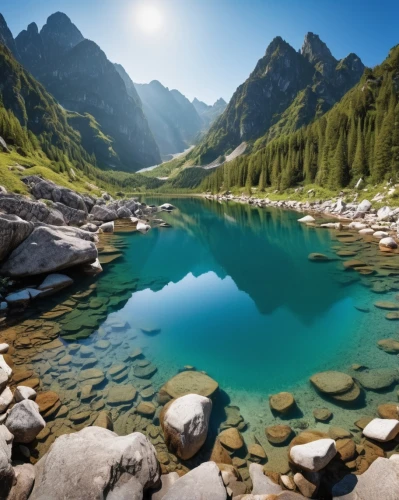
(207, 113)
(357, 139)
(77, 72)
(172, 118)
(273, 87)
(6, 37)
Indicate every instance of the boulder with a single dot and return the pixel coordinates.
(278, 434)
(384, 213)
(24, 421)
(322, 414)
(307, 218)
(202, 483)
(22, 298)
(168, 480)
(307, 488)
(364, 206)
(71, 215)
(91, 228)
(23, 392)
(382, 429)
(380, 234)
(48, 250)
(31, 211)
(261, 484)
(96, 463)
(167, 207)
(332, 382)
(231, 438)
(388, 243)
(124, 213)
(376, 380)
(4, 348)
(3, 378)
(48, 190)
(55, 282)
(282, 402)
(108, 227)
(6, 398)
(185, 424)
(4, 366)
(313, 456)
(379, 481)
(190, 382)
(102, 213)
(6, 470)
(23, 482)
(142, 227)
(13, 231)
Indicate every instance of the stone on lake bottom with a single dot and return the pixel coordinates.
(231, 438)
(282, 402)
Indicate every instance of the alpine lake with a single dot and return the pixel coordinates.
(228, 290)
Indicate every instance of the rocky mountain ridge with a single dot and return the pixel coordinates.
(272, 99)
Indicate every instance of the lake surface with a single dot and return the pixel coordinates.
(228, 289)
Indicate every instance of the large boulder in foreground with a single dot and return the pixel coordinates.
(33, 211)
(380, 481)
(190, 382)
(185, 424)
(6, 470)
(48, 249)
(102, 213)
(202, 483)
(96, 463)
(13, 231)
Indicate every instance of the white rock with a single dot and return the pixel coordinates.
(388, 242)
(4, 348)
(380, 234)
(5, 399)
(6, 470)
(307, 218)
(357, 225)
(379, 482)
(56, 282)
(185, 424)
(23, 392)
(394, 457)
(4, 366)
(313, 456)
(364, 206)
(3, 379)
(167, 206)
(168, 480)
(382, 429)
(143, 228)
(367, 230)
(24, 421)
(384, 213)
(23, 483)
(108, 227)
(203, 482)
(262, 485)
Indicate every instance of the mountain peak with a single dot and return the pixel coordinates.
(6, 37)
(315, 50)
(220, 102)
(275, 44)
(32, 29)
(59, 34)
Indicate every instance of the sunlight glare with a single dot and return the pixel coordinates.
(149, 18)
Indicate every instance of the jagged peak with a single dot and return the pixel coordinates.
(315, 50)
(61, 30)
(58, 18)
(220, 102)
(277, 42)
(32, 29)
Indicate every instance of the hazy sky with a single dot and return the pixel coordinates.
(206, 48)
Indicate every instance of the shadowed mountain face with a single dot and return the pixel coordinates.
(208, 113)
(79, 75)
(172, 117)
(285, 83)
(6, 37)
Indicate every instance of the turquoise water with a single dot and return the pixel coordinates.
(228, 289)
(233, 293)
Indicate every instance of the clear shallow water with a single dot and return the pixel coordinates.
(228, 289)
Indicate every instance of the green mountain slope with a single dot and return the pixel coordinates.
(286, 89)
(357, 138)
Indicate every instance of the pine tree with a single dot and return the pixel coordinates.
(359, 167)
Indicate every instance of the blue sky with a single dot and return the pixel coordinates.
(206, 48)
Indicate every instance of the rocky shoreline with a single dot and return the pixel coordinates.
(161, 460)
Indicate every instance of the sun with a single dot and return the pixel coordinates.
(149, 18)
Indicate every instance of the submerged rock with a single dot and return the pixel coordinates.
(185, 424)
(190, 382)
(282, 402)
(332, 382)
(278, 434)
(231, 438)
